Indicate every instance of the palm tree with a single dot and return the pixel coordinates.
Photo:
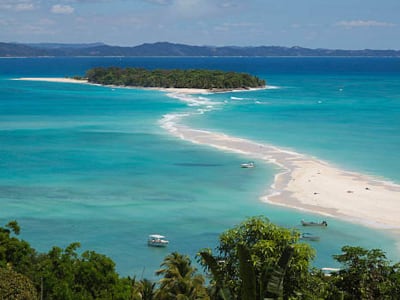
(180, 280)
(143, 290)
(268, 283)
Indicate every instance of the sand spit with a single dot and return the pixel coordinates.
(53, 79)
(309, 184)
(186, 91)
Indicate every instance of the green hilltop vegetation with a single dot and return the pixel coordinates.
(255, 260)
(199, 79)
(178, 50)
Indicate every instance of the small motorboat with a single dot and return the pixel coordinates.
(330, 271)
(156, 240)
(320, 224)
(249, 164)
(309, 237)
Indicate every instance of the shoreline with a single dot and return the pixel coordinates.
(84, 81)
(186, 91)
(309, 184)
(304, 183)
(54, 79)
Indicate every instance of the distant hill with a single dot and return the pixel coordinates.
(170, 49)
(61, 45)
(12, 50)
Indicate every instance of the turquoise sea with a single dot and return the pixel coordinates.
(92, 164)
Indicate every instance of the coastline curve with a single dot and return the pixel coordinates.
(307, 183)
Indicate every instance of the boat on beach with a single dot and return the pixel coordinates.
(309, 237)
(320, 224)
(156, 240)
(249, 164)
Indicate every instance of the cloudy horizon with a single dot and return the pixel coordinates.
(343, 24)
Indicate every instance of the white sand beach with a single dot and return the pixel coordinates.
(54, 79)
(304, 183)
(188, 91)
(82, 81)
(309, 184)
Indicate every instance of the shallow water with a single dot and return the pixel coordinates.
(92, 164)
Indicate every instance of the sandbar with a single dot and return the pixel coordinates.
(53, 79)
(84, 81)
(188, 91)
(309, 184)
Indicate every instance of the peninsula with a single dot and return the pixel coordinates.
(193, 79)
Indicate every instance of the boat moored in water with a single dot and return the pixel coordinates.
(156, 240)
(320, 224)
(249, 164)
(309, 237)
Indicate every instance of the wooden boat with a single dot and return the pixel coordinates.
(320, 224)
(156, 240)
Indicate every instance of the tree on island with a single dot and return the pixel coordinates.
(201, 79)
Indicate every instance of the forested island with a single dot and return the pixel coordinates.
(196, 79)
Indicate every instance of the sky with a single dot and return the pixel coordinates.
(333, 24)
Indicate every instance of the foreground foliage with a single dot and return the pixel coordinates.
(16, 286)
(254, 260)
(367, 274)
(202, 79)
(269, 250)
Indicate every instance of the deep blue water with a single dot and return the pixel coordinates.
(92, 164)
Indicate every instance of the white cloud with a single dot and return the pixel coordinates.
(162, 2)
(227, 4)
(24, 6)
(361, 23)
(229, 26)
(192, 8)
(17, 5)
(62, 9)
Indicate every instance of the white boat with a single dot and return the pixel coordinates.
(249, 164)
(329, 271)
(156, 240)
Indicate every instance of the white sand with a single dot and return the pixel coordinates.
(170, 90)
(71, 80)
(53, 79)
(184, 90)
(309, 184)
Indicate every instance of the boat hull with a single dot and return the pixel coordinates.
(160, 245)
(156, 240)
(250, 164)
(315, 224)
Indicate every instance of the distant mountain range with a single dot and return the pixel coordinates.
(170, 49)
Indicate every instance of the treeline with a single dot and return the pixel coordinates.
(255, 260)
(201, 79)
